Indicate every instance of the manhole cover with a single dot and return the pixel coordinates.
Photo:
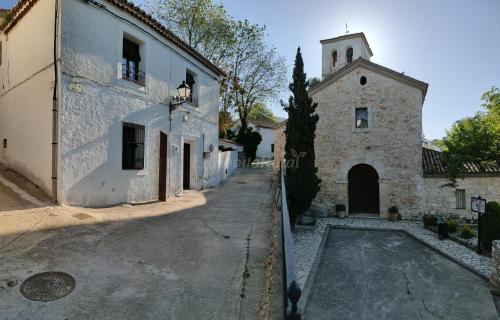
(48, 286)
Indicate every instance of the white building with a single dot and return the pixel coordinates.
(115, 75)
(265, 149)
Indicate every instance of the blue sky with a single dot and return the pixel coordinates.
(454, 45)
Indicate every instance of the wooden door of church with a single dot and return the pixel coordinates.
(363, 189)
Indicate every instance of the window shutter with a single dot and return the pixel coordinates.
(131, 50)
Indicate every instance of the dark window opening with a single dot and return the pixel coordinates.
(190, 81)
(133, 146)
(361, 117)
(5, 143)
(362, 80)
(460, 194)
(131, 59)
(272, 147)
(334, 58)
(349, 54)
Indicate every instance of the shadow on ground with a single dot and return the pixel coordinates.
(185, 261)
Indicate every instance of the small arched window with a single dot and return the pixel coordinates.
(349, 55)
(334, 58)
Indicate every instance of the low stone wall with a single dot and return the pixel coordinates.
(279, 146)
(495, 268)
(438, 199)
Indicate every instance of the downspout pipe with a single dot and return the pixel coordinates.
(54, 108)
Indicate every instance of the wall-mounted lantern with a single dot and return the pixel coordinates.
(184, 91)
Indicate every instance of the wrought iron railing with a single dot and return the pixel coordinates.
(133, 75)
(292, 291)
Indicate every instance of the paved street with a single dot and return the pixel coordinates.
(184, 259)
(366, 274)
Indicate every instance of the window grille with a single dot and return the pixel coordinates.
(460, 194)
(133, 146)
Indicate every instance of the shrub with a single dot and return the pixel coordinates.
(429, 220)
(339, 207)
(467, 232)
(490, 225)
(393, 209)
(451, 225)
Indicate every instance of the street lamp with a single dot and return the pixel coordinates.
(184, 91)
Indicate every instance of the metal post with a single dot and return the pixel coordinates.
(479, 223)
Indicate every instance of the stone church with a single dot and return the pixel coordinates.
(369, 140)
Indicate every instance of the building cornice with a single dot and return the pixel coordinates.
(360, 62)
(347, 37)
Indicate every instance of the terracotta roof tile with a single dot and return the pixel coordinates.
(433, 164)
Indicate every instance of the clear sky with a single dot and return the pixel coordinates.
(454, 45)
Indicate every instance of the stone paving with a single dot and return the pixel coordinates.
(307, 241)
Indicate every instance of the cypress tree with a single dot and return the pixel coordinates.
(302, 182)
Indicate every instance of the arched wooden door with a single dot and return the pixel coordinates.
(363, 189)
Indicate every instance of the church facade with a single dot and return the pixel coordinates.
(368, 143)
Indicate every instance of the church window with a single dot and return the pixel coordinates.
(349, 54)
(362, 80)
(361, 117)
(334, 58)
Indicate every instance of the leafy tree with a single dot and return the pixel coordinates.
(314, 81)
(226, 122)
(204, 25)
(254, 72)
(259, 73)
(474, 139)
(261, 111)
(302, 182)
(250, 140)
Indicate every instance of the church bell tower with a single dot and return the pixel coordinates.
(340, 51)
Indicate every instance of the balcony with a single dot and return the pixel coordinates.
(133, 75)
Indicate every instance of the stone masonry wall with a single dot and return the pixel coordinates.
(279, 146)
(392, 144)
(442, 200)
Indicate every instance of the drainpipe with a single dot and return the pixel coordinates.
(54, 109)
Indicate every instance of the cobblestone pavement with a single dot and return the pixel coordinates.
(307, 241)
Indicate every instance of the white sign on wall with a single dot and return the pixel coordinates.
(478, 204)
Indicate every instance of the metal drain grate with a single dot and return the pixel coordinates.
(48, 286)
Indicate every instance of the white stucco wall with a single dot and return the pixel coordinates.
(26, 84)
(359, 50)
(268, 138)
(438, 199)
(228, 163)
(91, 120)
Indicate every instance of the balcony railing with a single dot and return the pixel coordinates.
(292, 291)
(133, 75)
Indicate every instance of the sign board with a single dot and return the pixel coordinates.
(478, 204)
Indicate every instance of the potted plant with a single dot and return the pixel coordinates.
(340, 210)
(393, 213)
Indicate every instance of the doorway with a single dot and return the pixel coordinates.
(187, 166)
(363, 189)
(162, 187)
